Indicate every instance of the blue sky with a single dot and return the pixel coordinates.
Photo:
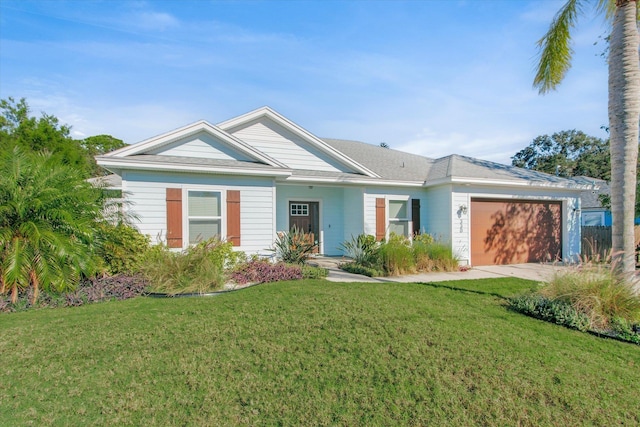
(431, 77)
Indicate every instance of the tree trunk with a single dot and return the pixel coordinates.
(36, 286)
(624, 118)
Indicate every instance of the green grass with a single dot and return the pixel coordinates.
(313, 353)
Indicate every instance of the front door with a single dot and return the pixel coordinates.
(306, 217)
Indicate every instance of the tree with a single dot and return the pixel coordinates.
(46, 134)
(567, 153)
(99, 144)
(624, 104)
(48, 216)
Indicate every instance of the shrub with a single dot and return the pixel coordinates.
(396, 257)
(117, 287)
(199, 269)
(355, 268)
(293, 247)
(556, 311)
(362, 249)
(48, 214)
(121, 247)
(312, 272)
(431, 255)
(597, 290)
(262, 271)
(623, 329)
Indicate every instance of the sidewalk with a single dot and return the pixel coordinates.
(536, 272)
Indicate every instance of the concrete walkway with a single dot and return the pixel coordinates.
(536, 272)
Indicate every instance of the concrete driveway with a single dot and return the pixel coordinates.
(536, 272)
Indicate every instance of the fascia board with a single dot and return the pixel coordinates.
(505, 183)
(297, 130)
(329, 180)
(137, 165)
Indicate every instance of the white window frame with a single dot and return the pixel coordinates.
(185, 211)
(407, 218)
(299, 209)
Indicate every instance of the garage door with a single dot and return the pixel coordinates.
(515, 232)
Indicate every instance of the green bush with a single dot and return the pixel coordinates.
(121, 247)
(199, 269)
(597, 290)
(293, 247)
(363, 249)
(48, 218)
(355, 268)
(433, 256)
(313, 272)
(396, 257)
(556, 311)
(625, 330)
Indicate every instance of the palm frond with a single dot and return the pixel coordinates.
(555, 48)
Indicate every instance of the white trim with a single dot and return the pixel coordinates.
(354, 181)
(506, 183)
(185, 209)
(404, 198)
(123, 163)
(192, 129)
(296, 130)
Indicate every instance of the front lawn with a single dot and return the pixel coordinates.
(313, 353)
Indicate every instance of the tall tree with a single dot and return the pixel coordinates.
(566, 153)
(624, 103)
(46, 134)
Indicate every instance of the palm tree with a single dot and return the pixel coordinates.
(624, 104)
(48, 214)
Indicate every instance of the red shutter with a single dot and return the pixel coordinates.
(233, 217)
(381, 220)
(174, 217)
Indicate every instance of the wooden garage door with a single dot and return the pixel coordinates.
(515, 232)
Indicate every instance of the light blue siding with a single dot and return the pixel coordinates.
(332, 211)
(146, 193)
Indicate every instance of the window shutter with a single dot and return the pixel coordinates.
(415, 215)
(381, 221)
(233, 217)
(174, 217)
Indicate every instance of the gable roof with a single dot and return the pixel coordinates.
(266, 112)
(165, 139)
(364, 163)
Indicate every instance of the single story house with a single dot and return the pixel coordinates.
(252, 176)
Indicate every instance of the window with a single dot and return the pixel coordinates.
(592, 218)
(399, 222)
(299, 209)
(204, 215)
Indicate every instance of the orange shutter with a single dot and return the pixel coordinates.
(381, 221)
(233, 217)
(174, 217)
